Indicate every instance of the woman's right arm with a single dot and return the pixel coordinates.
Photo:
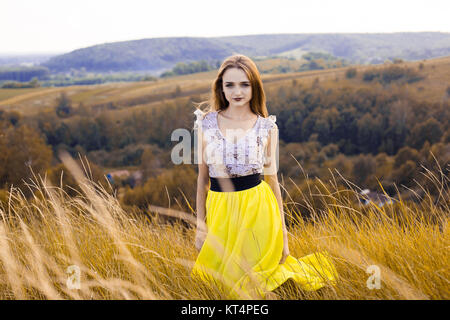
(202, 191)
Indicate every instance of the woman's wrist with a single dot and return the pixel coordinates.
(201, 226)
(285, 235)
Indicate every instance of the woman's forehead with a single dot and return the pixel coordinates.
(235, 75)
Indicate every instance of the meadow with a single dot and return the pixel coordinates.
(92, 245)
(53, 246)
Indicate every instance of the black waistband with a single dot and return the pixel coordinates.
(235, 184)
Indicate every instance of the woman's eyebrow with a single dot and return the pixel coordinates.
(241, 82)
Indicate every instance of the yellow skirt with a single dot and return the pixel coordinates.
(244, 245)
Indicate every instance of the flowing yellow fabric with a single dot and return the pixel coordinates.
(244, 245)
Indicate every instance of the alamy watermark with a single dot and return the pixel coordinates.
(374, 281)
(74, 279)
(237, 148)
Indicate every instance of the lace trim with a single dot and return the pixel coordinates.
(199, 116)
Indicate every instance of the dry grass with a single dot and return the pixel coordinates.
(123, 256)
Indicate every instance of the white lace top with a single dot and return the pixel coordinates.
(241, 157)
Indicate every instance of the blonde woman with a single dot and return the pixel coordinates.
(243, 246)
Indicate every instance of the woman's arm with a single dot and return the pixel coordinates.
(202, 190)
(271, 177)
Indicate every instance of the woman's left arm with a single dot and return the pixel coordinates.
(270, 172)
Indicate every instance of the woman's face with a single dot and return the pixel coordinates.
(235, 84)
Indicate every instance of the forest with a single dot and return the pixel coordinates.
(364, 123)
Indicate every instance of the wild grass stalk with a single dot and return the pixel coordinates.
(118, 255)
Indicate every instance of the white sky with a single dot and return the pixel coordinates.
(66, 25)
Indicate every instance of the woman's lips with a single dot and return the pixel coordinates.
(237, 99)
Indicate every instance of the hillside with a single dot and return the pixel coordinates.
(141, 94)
(138, 55)
(159, 54)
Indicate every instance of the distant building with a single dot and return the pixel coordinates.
(367, 196)
(131, 178)
(120, 173)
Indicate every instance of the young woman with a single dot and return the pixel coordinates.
(244, 244)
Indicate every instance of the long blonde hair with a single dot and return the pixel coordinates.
(217, 100)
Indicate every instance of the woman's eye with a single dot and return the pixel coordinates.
(230, 85)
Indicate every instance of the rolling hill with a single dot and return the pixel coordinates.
(127, 95)
(160, 54)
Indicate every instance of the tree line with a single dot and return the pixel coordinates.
(23, 74)
(378, 131)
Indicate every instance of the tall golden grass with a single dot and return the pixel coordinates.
(125, 256)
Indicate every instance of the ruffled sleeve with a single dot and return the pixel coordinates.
(199, 116)
(271, 121)
(267, 125)
(272, 118)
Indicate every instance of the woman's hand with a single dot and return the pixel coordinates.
(285, 249)
(200, 237)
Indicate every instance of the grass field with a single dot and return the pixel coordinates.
(51, 241)
(120, 255)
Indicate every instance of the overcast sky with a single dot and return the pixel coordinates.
(64, 25)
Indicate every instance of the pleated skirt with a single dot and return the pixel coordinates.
(244, 244)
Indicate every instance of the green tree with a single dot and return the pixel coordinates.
(404, 154)
(64, 105)
(430, 130)
(350, 73)
(23, 148)
(369, 133)
(363, 169)
(405, 174)
(87, 134)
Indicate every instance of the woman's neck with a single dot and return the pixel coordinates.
(237, 113)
